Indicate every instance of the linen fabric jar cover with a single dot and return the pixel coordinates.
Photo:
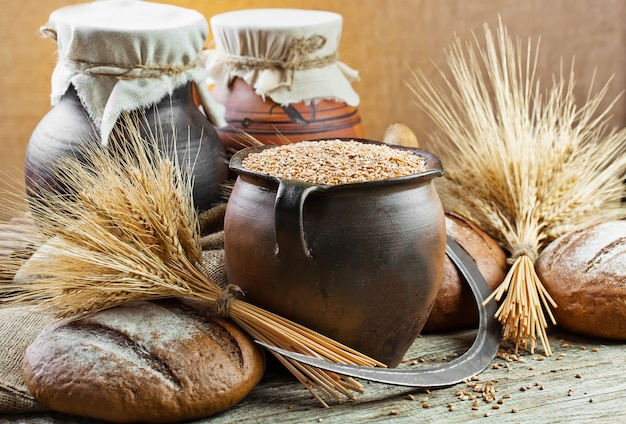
(157, 49)
(287, 55)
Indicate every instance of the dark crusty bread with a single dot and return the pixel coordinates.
(455, 306)
(162, 361)
(585, 273)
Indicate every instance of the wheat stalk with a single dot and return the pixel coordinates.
(128, 231)
(524, 165)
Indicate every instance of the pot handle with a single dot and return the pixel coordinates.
(471, 363)
(288, 222)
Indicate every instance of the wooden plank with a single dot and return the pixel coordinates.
(574, 385)
(584, 381)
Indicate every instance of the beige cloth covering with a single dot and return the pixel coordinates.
(124, 55)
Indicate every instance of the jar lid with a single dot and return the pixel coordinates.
(277, 19)
(288, 55)
(123, 55)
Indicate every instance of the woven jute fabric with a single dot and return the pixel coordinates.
(19, 326)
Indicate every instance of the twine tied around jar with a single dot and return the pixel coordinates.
(293, 59)
(128, 72)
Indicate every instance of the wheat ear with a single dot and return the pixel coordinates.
(524, 165)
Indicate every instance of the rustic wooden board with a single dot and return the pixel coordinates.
(584, 381)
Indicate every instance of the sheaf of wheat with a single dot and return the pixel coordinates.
(524, 162)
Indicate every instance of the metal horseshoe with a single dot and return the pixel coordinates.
(472, 362)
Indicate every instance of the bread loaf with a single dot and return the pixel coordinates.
(162, 361)
(455, 307)
(585, 273)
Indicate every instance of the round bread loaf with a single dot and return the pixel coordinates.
(162, 361)
(585, 273)
(454, 306)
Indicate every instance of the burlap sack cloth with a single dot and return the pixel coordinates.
(19, 326)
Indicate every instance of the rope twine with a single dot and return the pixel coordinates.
(524, 249)
(48, 32)
(225, 301)
(292, 60)
(128, 72)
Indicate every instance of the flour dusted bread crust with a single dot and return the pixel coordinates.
(585, 273)
(162, 361)
(455, 306)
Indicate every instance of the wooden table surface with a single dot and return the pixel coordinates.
(584, 381)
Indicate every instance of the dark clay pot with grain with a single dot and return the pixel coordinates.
(359, 261)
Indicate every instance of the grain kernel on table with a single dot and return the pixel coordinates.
(334, 162)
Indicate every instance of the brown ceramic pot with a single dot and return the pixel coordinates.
(271, 123)
(360, 262)
(67, 128)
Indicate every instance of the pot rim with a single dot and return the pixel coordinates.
(433, 163)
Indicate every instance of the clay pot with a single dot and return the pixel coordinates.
(271, 124)
(67, 128)
(360, 262)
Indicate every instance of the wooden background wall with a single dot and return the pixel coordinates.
(384, 39)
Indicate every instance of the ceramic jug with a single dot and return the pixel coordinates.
(67, 128)
(121, 57)
(272, 123)
(278, 75)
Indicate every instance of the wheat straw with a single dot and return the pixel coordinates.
(127, 232)
(523, 164)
